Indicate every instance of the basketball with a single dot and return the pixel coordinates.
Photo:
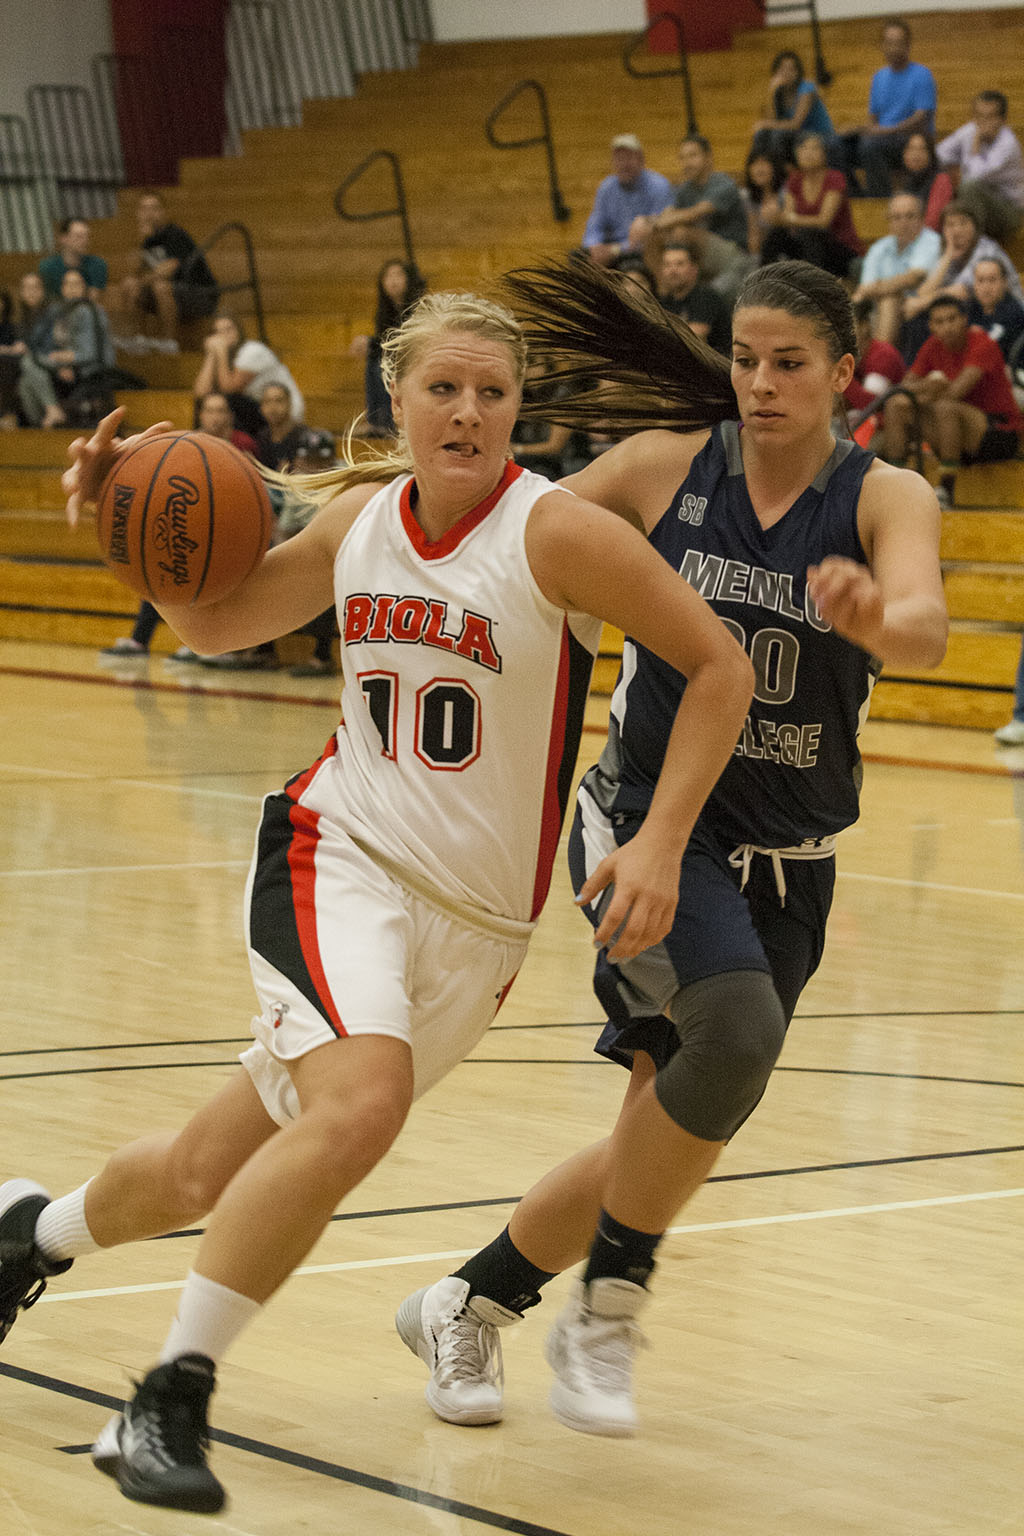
(183, 518)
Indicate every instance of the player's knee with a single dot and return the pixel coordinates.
(356, 1131)
(731, 1029)
(194, 1182)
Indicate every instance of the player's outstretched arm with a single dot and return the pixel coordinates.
(293, 583)
(894, 607)
(586, 558)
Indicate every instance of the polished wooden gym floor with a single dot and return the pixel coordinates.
(836, 1321)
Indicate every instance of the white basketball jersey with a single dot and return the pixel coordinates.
(463, 702)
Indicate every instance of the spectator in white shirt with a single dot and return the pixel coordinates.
(897, 264)
(986, 155)
(241, 370)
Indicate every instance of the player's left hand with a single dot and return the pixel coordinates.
(847, 596)
(645, 881)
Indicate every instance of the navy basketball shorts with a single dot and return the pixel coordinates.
(717, 928)
(338, 947)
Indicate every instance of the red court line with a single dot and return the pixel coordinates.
(891, 760)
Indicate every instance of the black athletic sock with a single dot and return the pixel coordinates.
(501, 1273)
(621, 1253)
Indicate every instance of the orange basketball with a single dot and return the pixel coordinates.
(183, 518)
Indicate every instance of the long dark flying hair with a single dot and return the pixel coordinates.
(621, 357)
(629, 365)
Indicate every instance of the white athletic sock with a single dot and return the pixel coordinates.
(62, 1231)
(210, 1317)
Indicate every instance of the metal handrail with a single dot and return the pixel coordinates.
(559, 209)
(682, 68)
(400, 209)
(821, 73)
(252, 283)
(875, 407)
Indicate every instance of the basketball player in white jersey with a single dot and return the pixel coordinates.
(395, 882)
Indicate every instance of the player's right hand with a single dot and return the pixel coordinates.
(92, 459)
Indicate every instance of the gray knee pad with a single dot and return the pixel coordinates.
(731, 1028)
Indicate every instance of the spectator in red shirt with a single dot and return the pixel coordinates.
(879, 365)
(817, 225)
(968, 413)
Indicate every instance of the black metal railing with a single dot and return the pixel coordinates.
(876, 407)
(250, 284)
(559, 209)
(808, 8)
(680, 68)
(400, 209)
(27, 197)
(71, 148)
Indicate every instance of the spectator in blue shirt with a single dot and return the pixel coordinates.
(901, 102)
(630, 193)
(898, 264)
(794, 108)
(73, 254)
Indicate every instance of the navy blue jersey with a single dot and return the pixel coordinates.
(795, 772)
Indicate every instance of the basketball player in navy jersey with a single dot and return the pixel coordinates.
(397, 880)
(823, 562)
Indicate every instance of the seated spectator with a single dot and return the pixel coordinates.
(171, 280)
(708, 212)
(625, 204)
(216, 417)
(10, 366)
(400, 285)
(71, 346)
(242, 370)
(817, 225)
(680, 292)
(901, 102)
(879, 365)
(282, 440)
(967, 409)
(794, 108)
(993, 307)
(919, 172)
(762, 194)
(963, 246)
(73, 253)
(897, 264)
(985, 156)
(538, 444)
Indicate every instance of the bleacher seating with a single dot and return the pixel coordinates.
(476, 211)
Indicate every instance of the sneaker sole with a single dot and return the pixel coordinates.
(612, 1429)
(198, 1501)
(408, 1322)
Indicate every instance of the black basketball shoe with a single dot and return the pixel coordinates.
(156, 1449)
(24, 1269)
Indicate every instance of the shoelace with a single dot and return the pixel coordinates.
(175, 1427)
(468, 1350)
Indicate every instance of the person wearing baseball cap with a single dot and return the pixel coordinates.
(631, 192)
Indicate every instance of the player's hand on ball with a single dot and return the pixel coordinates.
(848, 597)
(92, 459)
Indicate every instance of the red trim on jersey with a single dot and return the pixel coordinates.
(302, 864)
(551, 815)
(296, 788)
(506, 989)
(465, 525)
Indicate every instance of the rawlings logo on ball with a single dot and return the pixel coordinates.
(170, 530)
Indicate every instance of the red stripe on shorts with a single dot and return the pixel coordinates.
(302, 863)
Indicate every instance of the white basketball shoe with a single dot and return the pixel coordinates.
(591, 1349)
(457, 1339)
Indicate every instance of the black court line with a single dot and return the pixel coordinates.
(278, 1453)
(495, 1061)
(715, 1178)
